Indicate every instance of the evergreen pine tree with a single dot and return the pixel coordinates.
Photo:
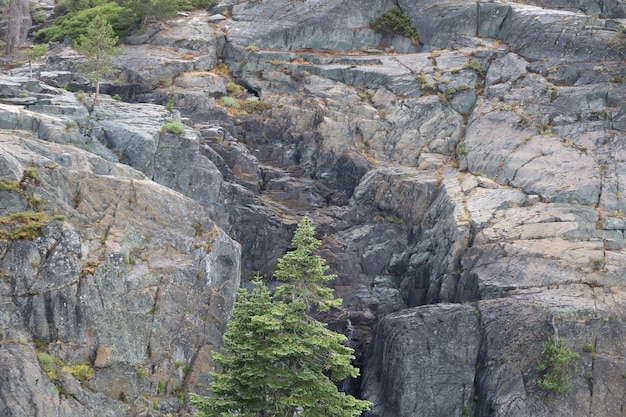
(277, 360)
(98, 46)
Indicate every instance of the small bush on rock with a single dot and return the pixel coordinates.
(555, 366)
(395, 22)
(231, 102)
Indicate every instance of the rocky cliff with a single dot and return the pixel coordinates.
(467, 190)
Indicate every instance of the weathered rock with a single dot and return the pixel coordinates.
(513, 332)
(434, 349)
(317, 24)
(528, 101)
(114, 293)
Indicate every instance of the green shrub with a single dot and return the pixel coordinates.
(172, 127)
(232, 102)
(555, 366)
(170, 104)
(395, 22)
(72, 6)
(74, 24)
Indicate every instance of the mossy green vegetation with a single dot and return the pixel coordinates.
(24, 225)
(50, 365)
(6, 185)
(54, 366)
(395, 22)
(81, 371)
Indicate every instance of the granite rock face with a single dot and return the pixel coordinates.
(468, 192)
(133, 280)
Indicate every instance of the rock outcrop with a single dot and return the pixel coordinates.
(131, 278)
(467, 191)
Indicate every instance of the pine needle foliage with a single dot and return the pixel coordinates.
(279, 361)
(304, 273)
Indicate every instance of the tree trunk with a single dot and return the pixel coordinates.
(19, 24)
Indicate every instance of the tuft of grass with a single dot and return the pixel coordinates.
(197, 227)
(221, 69)
(172, 127)
(475, 66)
(80, 96)
(394, 220)
(278, 62)
(454, 91)
(24, 225)
(6, 185)
(30, 173)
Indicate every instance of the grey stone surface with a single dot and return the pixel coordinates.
(420, 345)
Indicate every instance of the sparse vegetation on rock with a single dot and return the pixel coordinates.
(35, 53)
(395, 22)
(555, 366)
(172, 127)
